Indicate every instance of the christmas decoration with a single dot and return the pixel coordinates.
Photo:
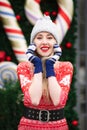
(69, 45)
(38, 1)
(7, 72)
(12, 29)
(54, 13)
(2, 56)
(63, 19)
(18, 17)
(8, 58)
(74, 122)
(47, 13)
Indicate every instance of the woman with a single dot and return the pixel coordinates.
(44, 80)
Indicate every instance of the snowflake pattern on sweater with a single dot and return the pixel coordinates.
(64, 72)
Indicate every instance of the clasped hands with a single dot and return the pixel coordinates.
(49, 62)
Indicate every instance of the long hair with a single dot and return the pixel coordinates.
(45, 83)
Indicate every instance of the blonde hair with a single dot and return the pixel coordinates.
(45, 85)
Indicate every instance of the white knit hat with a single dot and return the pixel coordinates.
(44, 24)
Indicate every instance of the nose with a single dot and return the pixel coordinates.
(44, 41)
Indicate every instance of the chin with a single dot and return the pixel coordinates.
(45, 55)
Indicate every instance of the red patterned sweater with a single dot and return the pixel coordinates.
(64, 72)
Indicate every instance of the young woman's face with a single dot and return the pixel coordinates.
(44, 42)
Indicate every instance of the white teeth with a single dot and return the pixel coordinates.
(44, 48)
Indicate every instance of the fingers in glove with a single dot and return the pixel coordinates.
(30, 52)
(31, 48)
(57, 49)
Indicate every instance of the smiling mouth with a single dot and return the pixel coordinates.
(45, 48)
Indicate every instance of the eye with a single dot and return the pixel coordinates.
(39, 37)
(49, 37)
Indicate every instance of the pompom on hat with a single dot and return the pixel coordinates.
(44, 24)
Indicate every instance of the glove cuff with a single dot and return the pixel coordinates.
(49, 68)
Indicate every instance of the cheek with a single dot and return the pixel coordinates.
(51, 43)
(51, 46)
(52, 51)
(37, 44)
(38, 49)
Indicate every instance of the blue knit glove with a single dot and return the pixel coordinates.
(50, 62)
(34, 59)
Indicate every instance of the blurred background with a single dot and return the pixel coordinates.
(81, 46)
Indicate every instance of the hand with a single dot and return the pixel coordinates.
(57, 53)
(34, 59)
(30, 52)
(50, 62)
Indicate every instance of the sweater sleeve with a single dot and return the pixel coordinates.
(64, 73)
(25, 74)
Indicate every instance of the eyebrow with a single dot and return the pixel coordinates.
(40, 34)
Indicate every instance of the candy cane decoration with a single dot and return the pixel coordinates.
(13, 31)
(7, 72)
(32, 11)
(64, 16)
